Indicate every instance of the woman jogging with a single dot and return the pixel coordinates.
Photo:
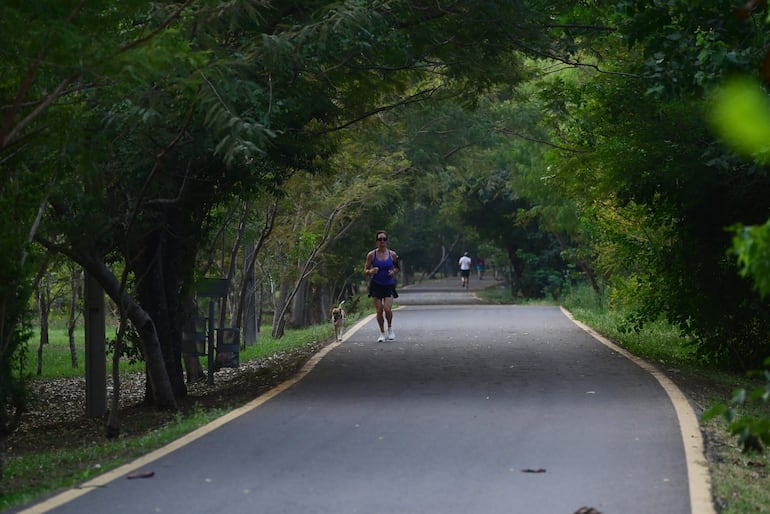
(381, 266)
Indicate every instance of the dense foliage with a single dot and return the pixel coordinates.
(657, 189)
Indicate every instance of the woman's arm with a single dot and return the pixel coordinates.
(368, 268)
(396, 267)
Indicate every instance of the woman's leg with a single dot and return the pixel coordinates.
(387, 304)
(379, 307)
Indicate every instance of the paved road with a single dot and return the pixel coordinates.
(474, 409)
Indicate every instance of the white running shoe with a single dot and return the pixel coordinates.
(381, 339)
(391, 334)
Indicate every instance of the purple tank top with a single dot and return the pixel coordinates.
(385, 265)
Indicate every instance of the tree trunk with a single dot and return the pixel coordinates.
(588, 270)
(248, 295)
(162, 393)
(246, 314)
(188, 315)
(2, 457)
(445, 255)
(517, 271)
(113, 419)
(43, 307)
(279, 311)
(157, 291)
(163, 259)
(260, 305)
(299, 305)
(72, 316)
(231, 269)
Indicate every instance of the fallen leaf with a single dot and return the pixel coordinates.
(141, 474)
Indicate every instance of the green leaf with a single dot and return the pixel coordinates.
(741, 116)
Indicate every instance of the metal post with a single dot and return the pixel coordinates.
(96, 354)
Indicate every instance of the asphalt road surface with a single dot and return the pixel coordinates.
(474, 409)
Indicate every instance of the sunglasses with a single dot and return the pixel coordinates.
(382, 239)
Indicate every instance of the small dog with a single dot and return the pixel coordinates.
(338, 321)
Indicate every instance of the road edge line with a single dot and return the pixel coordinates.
(698, 474)
(102, 480)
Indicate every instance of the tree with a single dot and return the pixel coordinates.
(56, 53)
(655, 186)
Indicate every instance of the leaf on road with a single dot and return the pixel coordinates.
(141, 474)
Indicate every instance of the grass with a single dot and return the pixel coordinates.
(740, 481)
(57, 360)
